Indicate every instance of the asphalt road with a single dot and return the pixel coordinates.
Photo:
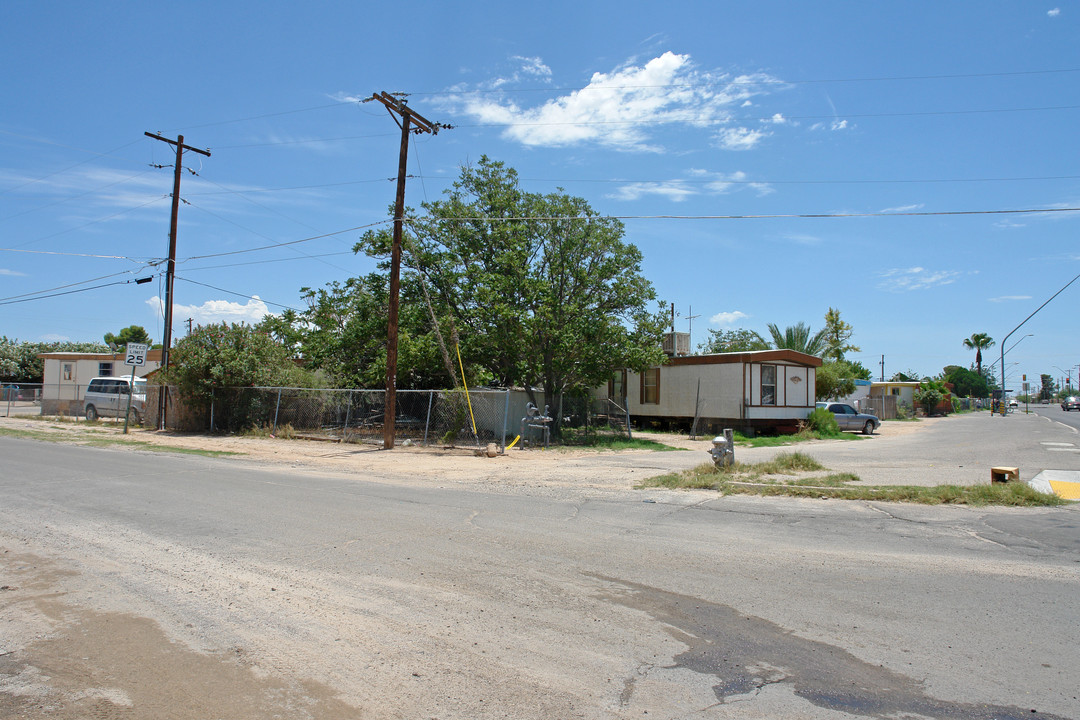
(958, 450)
(140, 585)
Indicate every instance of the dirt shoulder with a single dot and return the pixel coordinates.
(517, 468)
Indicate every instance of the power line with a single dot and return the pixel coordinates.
(66, 147)
(726, 181)
(21, 299)
(67, 254)
(754, 217)
(265, 262)
(689, 117)
(230, 292)
(348, 103)
(291, 242)
(748, 81)
(254, 232)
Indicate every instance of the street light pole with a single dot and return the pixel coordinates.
(1003, 409)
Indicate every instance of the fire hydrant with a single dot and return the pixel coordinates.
(723, 449)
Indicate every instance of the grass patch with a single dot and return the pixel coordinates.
(573, 438)
(282, 432)
(103, 438)
(150, 446)
(778, 478)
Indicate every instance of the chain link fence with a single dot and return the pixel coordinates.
(20, 399)
(427, 417)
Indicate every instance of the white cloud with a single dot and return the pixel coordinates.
(534, 67)
(915, 278)
(216, 311)
(617, 109)
(1054, 13)
(778, 119)
(739, 138)
(903, 208)
(1009, 298)
(53, 337)
(728, 318)
(11, 273)
(676, 190)
(702, 182)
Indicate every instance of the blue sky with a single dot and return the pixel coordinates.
(677, 118)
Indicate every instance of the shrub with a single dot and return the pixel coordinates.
(822, 422)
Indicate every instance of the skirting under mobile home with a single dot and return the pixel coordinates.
(766, 389)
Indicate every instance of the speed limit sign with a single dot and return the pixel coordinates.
(136, 354)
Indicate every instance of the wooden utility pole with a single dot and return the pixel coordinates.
(167, 341)
(408, 118)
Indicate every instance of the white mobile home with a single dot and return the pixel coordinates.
(765, 389)
(67, 375)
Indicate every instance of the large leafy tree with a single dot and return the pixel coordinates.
(343, 333)
(540, 289)
(722, 341)
(130, 334)
(19, 361)
(966, 383)
(978, 342)
(798, 337)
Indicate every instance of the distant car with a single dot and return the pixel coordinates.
(1070, 403)
(848, 418)
(1013, 403)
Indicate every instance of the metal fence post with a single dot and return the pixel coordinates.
(506, 417)
(348, 414)
(277, 410)
(427, 422)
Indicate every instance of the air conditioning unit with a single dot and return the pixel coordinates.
(676, 344)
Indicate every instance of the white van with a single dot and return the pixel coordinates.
(108, 397)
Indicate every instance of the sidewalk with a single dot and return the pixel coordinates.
(956, 450)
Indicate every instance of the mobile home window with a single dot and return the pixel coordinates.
(67, 371)
(768, 384)
(650, 387)
(104, 369)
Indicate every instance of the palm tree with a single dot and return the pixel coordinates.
(977, 342)
(798, 337)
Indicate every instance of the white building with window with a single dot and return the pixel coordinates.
(67, 375)
(747, 390)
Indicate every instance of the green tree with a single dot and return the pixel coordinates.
(834, 380)
(212, 357)
(837, 333)
(966, 383)
(343, 333)
(798, 337)
(541, 289)
(908, 375)
(978, 342)
(930, 394)
(20, 361)
(130, 334)
(1049, 387)
(722, 341)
